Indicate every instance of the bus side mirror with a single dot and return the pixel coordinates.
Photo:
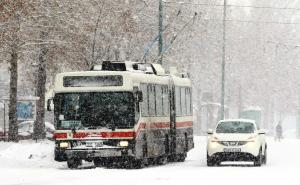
(49, 103)
(210, 131)
(140, 96)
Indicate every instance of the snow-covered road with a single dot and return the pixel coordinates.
(30, 163)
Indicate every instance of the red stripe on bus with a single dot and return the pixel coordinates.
(142, 126)
(160, 125)
(60, 136)
(184, 124)
(80, 135)
(117, 134)
(128, 134)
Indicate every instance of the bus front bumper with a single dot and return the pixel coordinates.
(93, 153)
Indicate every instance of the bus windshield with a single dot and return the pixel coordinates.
(94, 110)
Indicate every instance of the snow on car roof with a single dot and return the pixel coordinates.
(256, 108)
(238, 120)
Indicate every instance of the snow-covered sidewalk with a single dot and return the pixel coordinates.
(30, 163)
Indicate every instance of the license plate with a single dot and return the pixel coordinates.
(94, 144)
(232, 150)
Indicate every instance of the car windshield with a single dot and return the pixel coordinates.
(93, 110)
(235, 127)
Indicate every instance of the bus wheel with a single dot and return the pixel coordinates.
(98, 162)
(73, 163)
(138, 163)
(180, 157)
(162, 160)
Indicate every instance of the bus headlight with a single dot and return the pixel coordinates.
(123, 143)
(63, 145)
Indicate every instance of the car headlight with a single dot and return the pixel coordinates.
(214, 139)
(251, 139)
(64, 145)
(123, 143)
(214, 144)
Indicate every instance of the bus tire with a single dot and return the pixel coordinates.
(98, 162)
(186, 143)
(138, 164)
(73, 163)
(181, 157)
(162, 160)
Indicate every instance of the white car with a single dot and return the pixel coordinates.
(236, 140)
(25, 130)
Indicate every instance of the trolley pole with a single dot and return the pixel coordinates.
(223, 62)
(160, 30)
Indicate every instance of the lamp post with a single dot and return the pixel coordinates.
(223, 62)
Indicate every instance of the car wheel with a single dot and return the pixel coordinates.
(265, 156)
(210, 161)
(258, 159)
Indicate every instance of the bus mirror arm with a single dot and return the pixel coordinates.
(140, 96)
(49, 101)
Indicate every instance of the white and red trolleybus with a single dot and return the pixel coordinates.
(122, 111)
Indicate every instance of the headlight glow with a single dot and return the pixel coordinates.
(63, 145)
(213, 144)
(123, 143)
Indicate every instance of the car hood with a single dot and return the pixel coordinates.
(234, 137)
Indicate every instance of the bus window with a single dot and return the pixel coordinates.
(188, 101)
(144, 104)
(158, 97)
(177, 100)
(165, 97)
(183, 101)
(151, 94)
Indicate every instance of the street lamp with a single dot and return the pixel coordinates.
(223, 62)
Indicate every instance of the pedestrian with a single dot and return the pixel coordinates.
(278, 131)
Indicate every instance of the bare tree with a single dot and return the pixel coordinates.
(10, 33)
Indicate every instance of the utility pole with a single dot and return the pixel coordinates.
(160, 30)
(223, 61)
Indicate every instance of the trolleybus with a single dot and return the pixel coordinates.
(125, 112)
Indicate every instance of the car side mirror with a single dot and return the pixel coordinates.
(262, 131)
(210, 131)
(49, 104)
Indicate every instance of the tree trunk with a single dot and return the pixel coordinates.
(39, 126)
(13, 125)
